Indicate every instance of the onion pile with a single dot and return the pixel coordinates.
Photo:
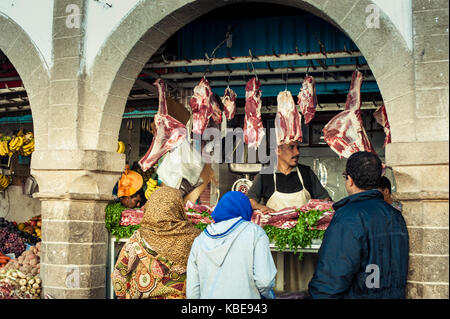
(16, 284)
(19, 279)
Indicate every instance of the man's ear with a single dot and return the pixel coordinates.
(351, 182)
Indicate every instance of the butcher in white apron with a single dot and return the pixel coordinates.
(280, 200)
(291, 185)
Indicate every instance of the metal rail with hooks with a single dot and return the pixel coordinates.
(254, 59)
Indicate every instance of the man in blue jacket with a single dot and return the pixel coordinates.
(364, 253)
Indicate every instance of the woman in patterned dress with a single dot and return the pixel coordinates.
(152, 263)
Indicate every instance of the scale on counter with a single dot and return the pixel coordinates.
(243, 184)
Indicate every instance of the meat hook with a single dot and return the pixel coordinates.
(164, 59)
(251, 54)
(287, 73)
(254, 71)
(274, 53)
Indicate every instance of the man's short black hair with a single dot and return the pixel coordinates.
(385, 183)
(365, 169)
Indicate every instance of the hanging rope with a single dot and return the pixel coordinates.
(254, 70)
(287, 73)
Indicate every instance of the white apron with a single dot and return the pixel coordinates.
(280, 200)
(292, 275)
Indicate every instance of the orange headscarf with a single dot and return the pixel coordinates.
(129, 183)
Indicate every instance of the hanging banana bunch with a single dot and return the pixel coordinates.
(28, 144)
(16, 142)
(4, 182)
(4, 146)
(152, 185)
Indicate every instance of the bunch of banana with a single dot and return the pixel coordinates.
(4, 148)
(152, 185)
(16, 143)
(28, 144)
(4, 182)
(120, 147)
(27, 149)
(28, 137)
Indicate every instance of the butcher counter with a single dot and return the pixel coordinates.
(115, 246)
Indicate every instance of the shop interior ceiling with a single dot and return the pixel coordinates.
(279, 45)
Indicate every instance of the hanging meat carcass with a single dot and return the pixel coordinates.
(229, 103)
(201, 106)
(307, 99)
(345, 133)
(217, 112)
(253, 126)
(288, 121)
(169, 131)
(382, 119)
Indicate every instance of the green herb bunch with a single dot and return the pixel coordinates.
(200, 226)
(112, 221)
(300, 236)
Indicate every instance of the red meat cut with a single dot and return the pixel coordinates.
(307, 99)
(169, 131)
(253, 126)
(202, 108)
(217, 112)
(288, 122)
(229, 103)
(345, 133)
(382, 119)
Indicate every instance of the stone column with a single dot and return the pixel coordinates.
(74, 187)
(77, 173)
(421, 166)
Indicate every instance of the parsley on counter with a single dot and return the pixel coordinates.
(300, 236)
(112, 222)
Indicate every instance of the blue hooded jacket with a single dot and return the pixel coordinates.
(365, 250)
(231, 258)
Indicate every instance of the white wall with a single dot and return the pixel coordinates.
(36, 18)
(100, 22)
(400, 13)
(16, 207)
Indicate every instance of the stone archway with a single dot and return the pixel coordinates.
(128, 48)
(100, 96)
(34, 72)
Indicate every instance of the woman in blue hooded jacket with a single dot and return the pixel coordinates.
(231, 257)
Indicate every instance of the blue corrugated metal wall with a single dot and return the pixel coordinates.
(260, 35)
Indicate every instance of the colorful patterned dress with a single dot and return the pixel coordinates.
(141, 273)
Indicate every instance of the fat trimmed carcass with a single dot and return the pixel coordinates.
(288, 121)
(217, 112)
(307, 98)
(382, 119)
(201, 106)
(345, 132)
(229, 103)
(169, 131)
(253, 126)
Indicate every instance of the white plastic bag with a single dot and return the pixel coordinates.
(181, 162)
